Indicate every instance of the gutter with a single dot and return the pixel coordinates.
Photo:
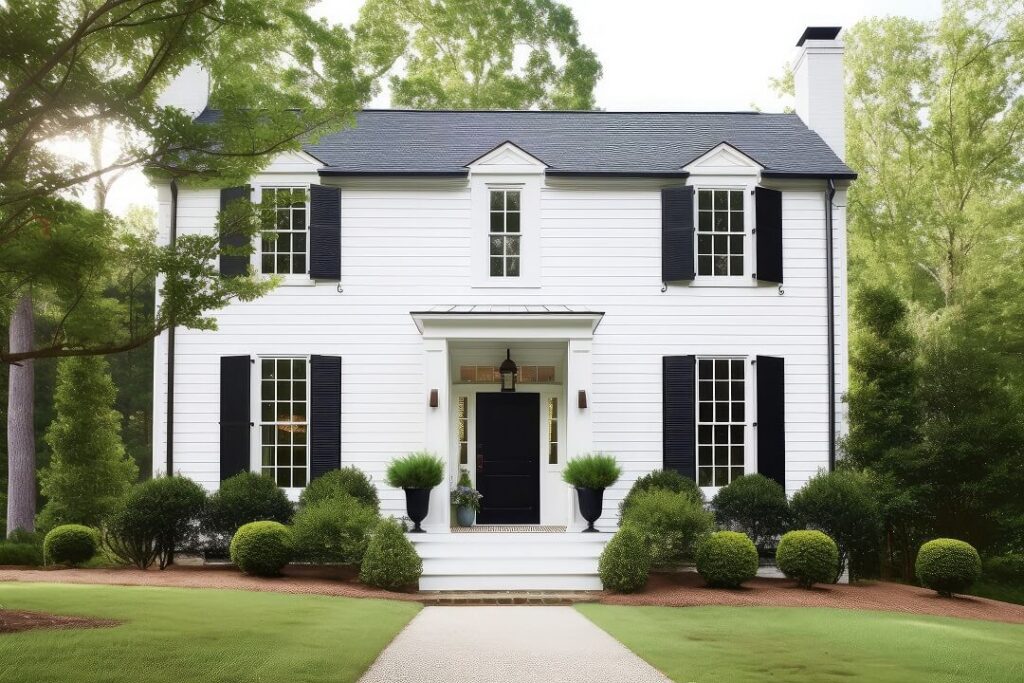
(170, 344)
(830, 193)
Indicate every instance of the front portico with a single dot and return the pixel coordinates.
(513, 444)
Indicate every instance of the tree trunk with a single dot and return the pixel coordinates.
(21, 438)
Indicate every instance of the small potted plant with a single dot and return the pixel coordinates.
(590, 475)
(466, 500)
(416, 473)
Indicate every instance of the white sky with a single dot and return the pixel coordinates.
(715, 55)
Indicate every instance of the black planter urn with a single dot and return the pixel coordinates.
(591, 502)
(417, 504)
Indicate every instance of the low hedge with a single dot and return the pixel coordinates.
(807, 557)
(669, 480)
(1007, 568)
(20, 554)
(726, 559)
(262, 548)
(70, 544)
(625, 561)
(350, 481)
(948, 566)
(390, 561)
(243, 498)
(334, 530)
(671, 524)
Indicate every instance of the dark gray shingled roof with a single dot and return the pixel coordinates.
(391, 141)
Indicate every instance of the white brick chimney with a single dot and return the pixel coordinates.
(188, 91)
(819, 84)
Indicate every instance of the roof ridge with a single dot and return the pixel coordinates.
(567, 111)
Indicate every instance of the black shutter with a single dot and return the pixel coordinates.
(324, 232)
(676, 234)
(768, 224)
(233, 264)
(771, 418)
(679, 414)
(324, 414)
(235, 423)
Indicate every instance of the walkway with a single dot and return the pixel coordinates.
(507, 645)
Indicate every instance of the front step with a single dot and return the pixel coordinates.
(510, 561)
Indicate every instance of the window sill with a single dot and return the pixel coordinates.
(296, 281)
(710, 281)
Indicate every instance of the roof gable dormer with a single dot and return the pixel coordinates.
(507, 158)
(724, 159)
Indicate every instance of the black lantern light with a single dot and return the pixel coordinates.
(508, 371)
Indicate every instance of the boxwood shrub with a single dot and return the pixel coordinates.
(625, 561)
(671, 524)
(669, 480)
(755, 505)
(391, 561)
(70, 544)
(350, 481)
(335, 530)
(808, 557)
(262, 548)
(243, 498)
(20, 554)
(948, 566)
(726, 559)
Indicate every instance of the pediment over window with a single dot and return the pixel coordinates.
(507, 158)
(723, 159)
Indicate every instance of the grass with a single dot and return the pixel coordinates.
(175, 634)
(735, 644)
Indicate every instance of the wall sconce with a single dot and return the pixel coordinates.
(433, 398)
(581, 400)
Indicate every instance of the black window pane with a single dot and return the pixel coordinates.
(706, 390)
(721, 221)
(704, 477)
(721, 369)
(704, 266)
(706, 412)
(721, 244)
(735, 265)
(721, 201)
(497, 222)
(497, 264)
(705, 366)
(721, 265)
(704, 244)
(512, 201)
(736, 200)
(735, 244)
(512, 222)
(497, 245)
(704, 221)
(737, 369)
(704, 200)
(497, 200)
(736, 221)
(513, 267)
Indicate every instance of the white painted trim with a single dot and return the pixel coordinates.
(746, 186)
(506, 158)
(255, 410)
(522, 326)
(529, 186)
(724, 159)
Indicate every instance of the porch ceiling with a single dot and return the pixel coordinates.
(494, 321)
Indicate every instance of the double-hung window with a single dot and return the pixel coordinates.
(284, 246)
(721, 420)
(720, 233)
(284, 420)
(505, 236)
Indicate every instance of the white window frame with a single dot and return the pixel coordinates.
(745, 277)
(749, 405)
(505, 192)
(289, 278)
(256, 446)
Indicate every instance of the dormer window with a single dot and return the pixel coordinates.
(505, 232)
(720, 232)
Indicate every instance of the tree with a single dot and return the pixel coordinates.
(463, 54)
(89, 471)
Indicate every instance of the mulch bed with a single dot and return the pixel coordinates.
(14, 621)
(687, 589)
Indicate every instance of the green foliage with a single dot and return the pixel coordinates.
(391, 561)
(350, 481)
(591, 471)
(948, 566)
(726, 559)
(625, 561)
(843, 505)
(420, 470)
(670, 480)
(670, 523)
(808, 557)
(70, 544)
(756, 505)
(20, 554)
(503, 54)
(89, 472)
(334, 530)
(243, 498)
(1008, 568)
(262, 548)
(158, 517)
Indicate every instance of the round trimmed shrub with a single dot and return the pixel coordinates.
(726, 559)
(808, 557)
(671, 524)
(391, 561)
(625, 561)
(669, 480)
(334, 530)
(243, 498)
(755, 505)
(350, 481)
(262, 548)
(948, 566)
(70, 544)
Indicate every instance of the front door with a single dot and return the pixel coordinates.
(508, 458)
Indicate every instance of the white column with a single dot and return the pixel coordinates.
(437, 424)
(578, 429)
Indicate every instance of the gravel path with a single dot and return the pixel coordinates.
(507, 645)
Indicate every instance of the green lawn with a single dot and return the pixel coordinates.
(176, 635)
(734, 644)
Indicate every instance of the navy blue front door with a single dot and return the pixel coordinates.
(508, 458)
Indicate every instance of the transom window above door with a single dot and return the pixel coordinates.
(505, 232)
(284, 245)
(720, 233)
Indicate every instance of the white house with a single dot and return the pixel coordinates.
(670, 285)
